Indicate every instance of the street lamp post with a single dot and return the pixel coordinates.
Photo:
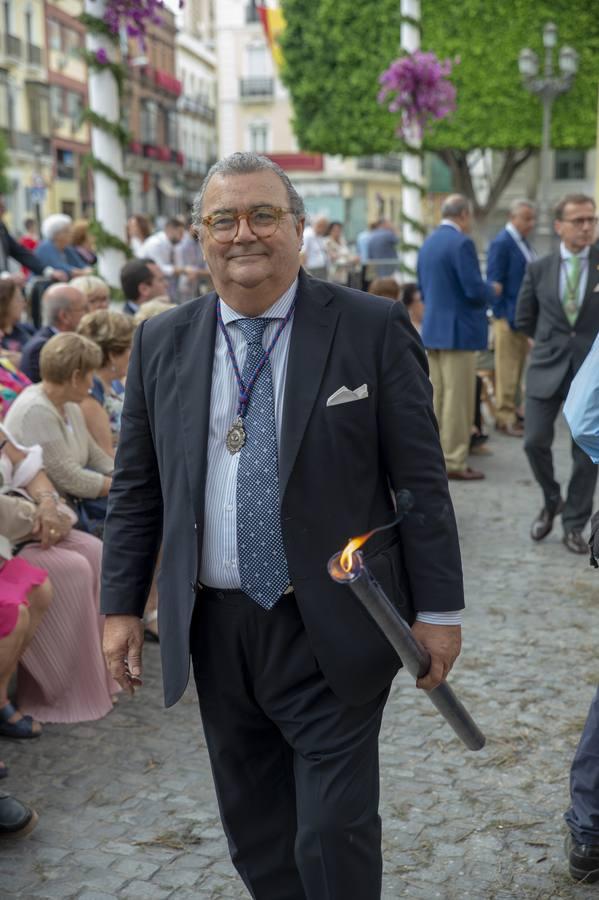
(547, 86)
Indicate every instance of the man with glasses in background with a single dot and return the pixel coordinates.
(263, 425)
(558, 308)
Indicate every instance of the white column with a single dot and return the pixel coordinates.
(411, 163)
(104, 100)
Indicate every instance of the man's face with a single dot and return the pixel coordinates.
(248, 261)
(175, 235)
(156, 288)
(524, 220)
(77, 309)
(578, 225)
(321, 226)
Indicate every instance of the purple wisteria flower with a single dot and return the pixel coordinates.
(135, 15)
(102, 56)
(420, 90)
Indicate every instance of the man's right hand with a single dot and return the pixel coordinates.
(59, 275)
(122, 645)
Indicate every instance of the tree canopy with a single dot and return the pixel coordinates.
(334, 51)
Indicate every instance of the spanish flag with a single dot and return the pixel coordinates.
(271, 16)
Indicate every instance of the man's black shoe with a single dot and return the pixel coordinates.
(16, 819)
(543, 523)
(583, 860)
(575, 542)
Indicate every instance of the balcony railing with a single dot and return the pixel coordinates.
(34, 54)
(254, 88)
(198, 106)
(65, 171)
(35, 144)
(380, 163)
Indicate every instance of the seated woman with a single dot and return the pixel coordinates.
(62, 675)
(81, 250)
(14, 332)
(25, 595)
(56, 231)
(49, 414)
(113, 333)
(94, 289)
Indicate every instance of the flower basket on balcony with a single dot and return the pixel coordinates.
(136, 147)
(150, 151)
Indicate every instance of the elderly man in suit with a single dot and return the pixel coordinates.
(454, 328)
(235, 455)
(558, 307)
(509, 253)
(10, 248)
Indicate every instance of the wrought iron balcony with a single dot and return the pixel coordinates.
(256, 88)
(34, 54)
(11, 46)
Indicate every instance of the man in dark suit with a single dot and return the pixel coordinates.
(509, 253)
(141, 280)
(454, 328)
(63, 308)
(11, 249)
(558, 307)
(252, 466)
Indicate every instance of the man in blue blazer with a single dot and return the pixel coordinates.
(454, 328)
(509, 254)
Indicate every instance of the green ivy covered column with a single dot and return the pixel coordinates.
(108, 140)
(412, 229)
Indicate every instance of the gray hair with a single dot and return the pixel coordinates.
(455, 205)
(246, 164)
(517, 204)
(56, 299)
(54, 224)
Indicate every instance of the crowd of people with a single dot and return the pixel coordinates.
(62, 391)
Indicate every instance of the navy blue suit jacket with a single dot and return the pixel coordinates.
(506, 264)
(30, 358)
(454, 293)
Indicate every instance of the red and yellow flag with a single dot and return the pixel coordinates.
(273, 22)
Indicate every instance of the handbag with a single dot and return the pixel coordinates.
(581, 409)
(90, 514)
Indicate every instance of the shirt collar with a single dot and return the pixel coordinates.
(511, 229)
(451, 224)
(278, 310)
(566, 254)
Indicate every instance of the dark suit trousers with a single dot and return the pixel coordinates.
(583, 816)
(539, 422)
(296, 771)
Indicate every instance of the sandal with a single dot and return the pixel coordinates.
(20, 730)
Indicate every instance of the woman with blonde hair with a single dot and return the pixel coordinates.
(102, 409)
(81, 251)
(94, 289)
(152, 308)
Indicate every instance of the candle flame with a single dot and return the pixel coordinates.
(350, 548)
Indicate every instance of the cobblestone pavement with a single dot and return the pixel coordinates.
(127, 807)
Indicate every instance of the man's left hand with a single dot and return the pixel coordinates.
(443, 642)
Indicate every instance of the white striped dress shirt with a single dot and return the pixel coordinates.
(219, 567)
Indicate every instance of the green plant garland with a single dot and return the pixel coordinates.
(107, 241)
(118, 70)
(416, 225)
(90, 162)
(98, 26)
(118, 131)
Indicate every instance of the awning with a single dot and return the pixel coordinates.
(168, 187)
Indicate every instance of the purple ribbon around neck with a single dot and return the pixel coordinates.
(245, 390)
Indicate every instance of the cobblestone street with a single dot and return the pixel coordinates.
(127, 807)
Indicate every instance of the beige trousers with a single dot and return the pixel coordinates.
(453, 374)
(511, 348)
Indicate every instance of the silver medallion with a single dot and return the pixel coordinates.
(236, 436)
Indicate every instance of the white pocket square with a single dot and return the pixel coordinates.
(345, 395)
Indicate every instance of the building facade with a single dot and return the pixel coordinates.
(154, 162)
(24, 108)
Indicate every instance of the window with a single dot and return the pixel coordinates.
(4, 92)
(74, 107)
(7, 16)
(72, 42)
(570, 165)
(56, 104)
(149, 122)
(29, 26)
(259, 137)
(54, 37)
(251, 12)
(65, 164)
(257, 61)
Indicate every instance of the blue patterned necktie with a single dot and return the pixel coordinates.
(260, 552)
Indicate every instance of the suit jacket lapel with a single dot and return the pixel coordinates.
(554, 263)
(314, 323)
(592, 282)
(194, 356)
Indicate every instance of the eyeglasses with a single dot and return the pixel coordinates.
(262, 221)
(579, 223)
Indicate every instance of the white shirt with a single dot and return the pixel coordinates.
(565, 255)
(315, 250)
(526, 251)
(451, 224)
(159, 249)
(219, 568)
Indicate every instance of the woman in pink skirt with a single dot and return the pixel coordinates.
(62, 676)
